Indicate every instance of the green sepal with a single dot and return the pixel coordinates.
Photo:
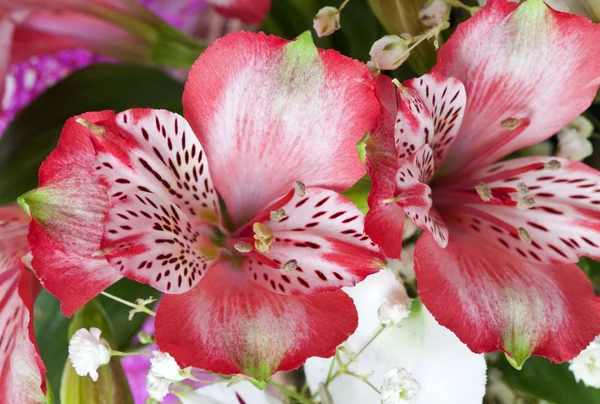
(111, 386)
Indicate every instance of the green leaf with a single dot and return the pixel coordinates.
(111, 386)
(542, 379)
(51, 326)
(35, 131)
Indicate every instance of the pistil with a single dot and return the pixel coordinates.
(263, 236)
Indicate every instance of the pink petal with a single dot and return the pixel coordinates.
(160, 193)
(524, 63)
(227, 324)
(492, 300)
(68, 209)
(384, 221)
(270, 112)
(248, 11)
(563, 224)
(411, 186)
(22, 372)
(323, 233)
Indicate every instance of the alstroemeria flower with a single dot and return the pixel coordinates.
(22, 372)
(248, 11)
(273, 127)
(496, 264)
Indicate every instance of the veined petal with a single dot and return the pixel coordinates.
(227, 324)
(22, 372)
(415, 194)
(269, 112)
(384, 221)
(562, 224)
(161, 194)
(322, 232)
(430, 111)
(518, 62)
(68, 210)
(248, 11)
(492, 300)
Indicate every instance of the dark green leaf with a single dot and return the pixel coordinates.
(35, 131)
(542, 379)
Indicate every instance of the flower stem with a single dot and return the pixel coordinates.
(290, 393)
(119, 353)
(127, 303)
(340, 8)
(364, 380)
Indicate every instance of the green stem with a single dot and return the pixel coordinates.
(291, 393)
(343, 5)
(127, 303)
(364, 380)
(119, 353)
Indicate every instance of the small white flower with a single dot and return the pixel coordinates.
(157, 386)
(586, 365)
(327, 21)
(399, 387)
(573, 143)
(87, 352)
(394, 309)
(163, 365)
(434, 12)
(389, 52)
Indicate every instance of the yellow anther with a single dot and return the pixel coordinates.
(288, 267)
(524, 236)
(300, 188)
(522, 190)
(552, 165)
(526, 203)
(243, 247)
(484, 191)
(511, 123)
(263, 236)
(277, 215)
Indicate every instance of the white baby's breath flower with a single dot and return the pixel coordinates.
(87, 352)
(157, 386)
(586, 365)
(573, 140)
(163, 365)
(394, 309)
(399, 387)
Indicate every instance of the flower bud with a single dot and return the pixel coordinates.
(434, 12)
(586, 365)
(394, 309)
(573, 143)
(327, 21)
(389, 52)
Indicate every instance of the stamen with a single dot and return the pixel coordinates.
(511, 123)
(552, 165)
(526, 203)
(288, 267)
(524, 236)
(300, 188)
(263, 236)
(277, 215)
(484, 191)
(522, 190)
(243, 247)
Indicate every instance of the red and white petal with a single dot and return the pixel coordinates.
(414, 123)
(68, 210)
(270, 112)
(415, 195)
(384, 222)
(523, 77)
(22, 372)
(445, 99)
(248, 11)
(563, 224)
(324, 233)
(161, 197)
(492, 300)
(156, 150)
(227, 324)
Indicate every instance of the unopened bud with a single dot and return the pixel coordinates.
(434, 12)
(389, 52)
(327, 21)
